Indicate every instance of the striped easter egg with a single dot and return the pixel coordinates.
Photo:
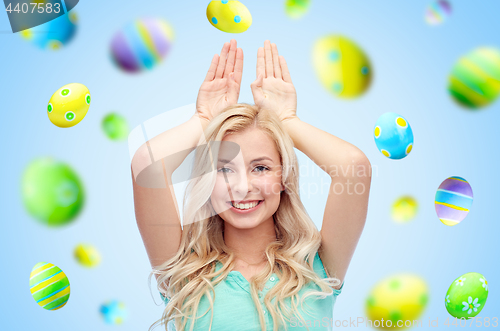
(453, 200)
(475, 80)
(142, 44)
(49, 286)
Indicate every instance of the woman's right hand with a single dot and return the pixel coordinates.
(221, 87)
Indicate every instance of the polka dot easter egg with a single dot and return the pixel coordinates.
(229, 16)
(49, 286)
(467, 295)
(342, 67)
(114, 312)
(475, 79)
(453, 200)
(296, 8)
(404, 209)
(393, 136)
(52, 192)
(87, 255)
(399, 297)
(142, 44)
(437, 12)
(69, 105)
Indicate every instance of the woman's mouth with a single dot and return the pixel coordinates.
(244, 208)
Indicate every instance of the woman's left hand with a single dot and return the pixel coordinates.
(273, 88)
(221, 87)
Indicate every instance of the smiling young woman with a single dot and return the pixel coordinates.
(248, 250)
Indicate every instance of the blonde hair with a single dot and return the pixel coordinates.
(186, 277)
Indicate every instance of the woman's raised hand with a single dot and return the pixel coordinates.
(221, 87)
(273, 88)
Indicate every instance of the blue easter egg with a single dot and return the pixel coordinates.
(393, 136)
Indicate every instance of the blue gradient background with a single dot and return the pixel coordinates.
(411, 63)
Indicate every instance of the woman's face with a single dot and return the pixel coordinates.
(248, 172)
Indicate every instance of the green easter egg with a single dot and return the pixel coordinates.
(52, 192)
(467, 295)
(475, 79)
(115, 126)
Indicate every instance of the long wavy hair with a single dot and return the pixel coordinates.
(187, 276)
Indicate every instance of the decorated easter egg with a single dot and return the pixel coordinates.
(296, 8)
(342, 67)
(437, 12)
(453, 200)
(115, 126)
(142, 44)
(467, 295)
(87, 255)
(393, 136)
(54, 34)
(52, 192)
(69, 105)
(49, 286)
(398, 297)
(114, 312)
(474, 81)
(404, 209)
(229, 16)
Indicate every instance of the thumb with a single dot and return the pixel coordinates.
(257, 82)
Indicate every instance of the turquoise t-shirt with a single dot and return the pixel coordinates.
(234, 308)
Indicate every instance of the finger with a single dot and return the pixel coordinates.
(222, 61)
(230, 59)
(276, 61)
(269, 59)
(284, 69)
(238, 67)
(213, 66)
(261, 65)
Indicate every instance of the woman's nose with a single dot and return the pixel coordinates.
(241, 186)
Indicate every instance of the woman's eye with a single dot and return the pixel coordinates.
(222, 169)
(264, 168)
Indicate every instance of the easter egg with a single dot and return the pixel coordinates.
(453, 200)
(474, 81)
(401, 297)
(115, 126)
(142, 44)
(69, 105)
(49, 286)
(54, 34)
(296, 8)
(404, 209)
(52, 192)
(114, 312)
(87, 255)
(342, 67)
(229, 16)
(437, 12)
(393, 136)
(467, 295)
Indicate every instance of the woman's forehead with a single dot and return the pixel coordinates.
(248, 147)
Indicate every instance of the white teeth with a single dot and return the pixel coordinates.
(245, 205)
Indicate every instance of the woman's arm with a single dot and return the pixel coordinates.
(156, 209)
(348, 167)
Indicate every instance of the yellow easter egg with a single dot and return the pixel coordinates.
(404, 209)
(229, 16)
(87, 255)
(396, 301)
(69, 105)
(341, 66)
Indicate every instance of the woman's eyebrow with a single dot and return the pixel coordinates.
(255, 160)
